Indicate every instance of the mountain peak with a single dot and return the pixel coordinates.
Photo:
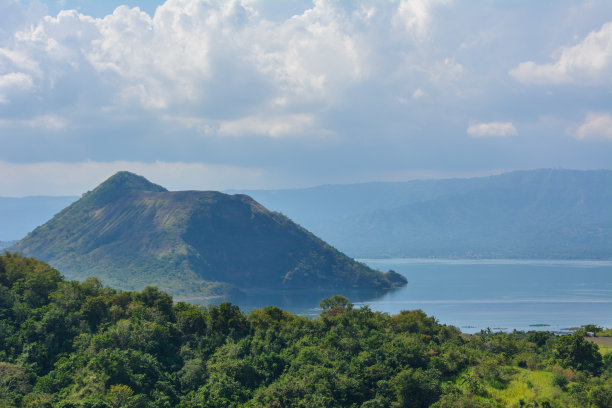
(125, 180)
(121, 183)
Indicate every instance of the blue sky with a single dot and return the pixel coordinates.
(268, 94)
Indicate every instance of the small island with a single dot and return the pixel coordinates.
(132, 233)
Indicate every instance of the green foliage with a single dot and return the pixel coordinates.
(70, 344)
(560, 380)
(601, 395)
(575, 352)
(416, 388)
(119, 396)
(336, 301)
(592, 328)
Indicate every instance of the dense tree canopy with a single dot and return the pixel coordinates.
(70, 344)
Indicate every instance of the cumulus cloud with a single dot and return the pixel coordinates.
(414, 16)
(60, 178)
(312, 55)
(193, 56)
(491, 129)
(180, 53)
(14, 82)
(595, 126)
(586, 63)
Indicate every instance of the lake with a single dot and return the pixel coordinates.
(478, 294)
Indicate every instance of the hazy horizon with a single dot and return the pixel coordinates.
(231, 190)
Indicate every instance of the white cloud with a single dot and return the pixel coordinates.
(491, 129)
(313, 55)
(448, 70)
(170, 57)
(595, 126)
(58, 178)
(222, 65)
(190, 52)
(19, 60)
(51, 122)
(414, 16)
(586, 63)
(48, 122)
(275, 127)
(14, 81)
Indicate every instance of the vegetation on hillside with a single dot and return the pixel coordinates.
(131, 233)
(71, 344)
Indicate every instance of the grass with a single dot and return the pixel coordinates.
(605, 332)
(526, 387)
(605, 349)
(604, 343)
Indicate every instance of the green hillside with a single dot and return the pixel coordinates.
(132, 233)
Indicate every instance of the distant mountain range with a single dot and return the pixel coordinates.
(131, 233)
(563, 214)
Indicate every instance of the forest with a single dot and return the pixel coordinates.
(79, 344)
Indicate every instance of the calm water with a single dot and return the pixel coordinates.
(479, 294)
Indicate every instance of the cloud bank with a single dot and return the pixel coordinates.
(309, 90)
(195, 55)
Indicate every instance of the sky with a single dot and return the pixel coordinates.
(268, 94)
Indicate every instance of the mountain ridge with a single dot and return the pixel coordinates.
(563, 214)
